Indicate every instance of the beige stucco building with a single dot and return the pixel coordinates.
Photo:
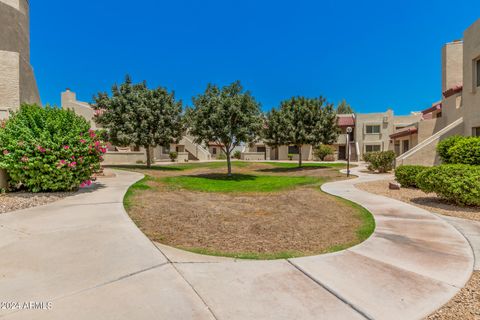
(458, 113)
(17, 81)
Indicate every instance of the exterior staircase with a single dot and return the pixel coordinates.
(424, 153)
(196, 150)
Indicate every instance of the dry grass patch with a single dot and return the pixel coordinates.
(298, 221)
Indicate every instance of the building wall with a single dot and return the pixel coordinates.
(69, 102)
(452, 65)
(17, 82)
(471, 93)
(386, 123)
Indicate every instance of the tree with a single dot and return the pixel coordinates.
(227, 116)
(301, 121)
(136, 115)
(272, 133)
(344, 108)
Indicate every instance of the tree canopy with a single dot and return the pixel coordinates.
(301, 121)
(227, 116)
(137, 115)
(344, 108)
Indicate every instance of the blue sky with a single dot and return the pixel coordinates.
(375, 54)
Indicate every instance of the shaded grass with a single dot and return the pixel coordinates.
(182, 166)
(294, 165)
(238, 182)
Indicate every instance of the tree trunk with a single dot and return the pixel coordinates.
(149, 157)
(229, 165)
(299, 156)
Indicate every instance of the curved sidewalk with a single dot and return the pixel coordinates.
(85, 256)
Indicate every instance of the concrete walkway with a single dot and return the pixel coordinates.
(85, 256)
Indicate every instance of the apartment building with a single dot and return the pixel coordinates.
(458, 113)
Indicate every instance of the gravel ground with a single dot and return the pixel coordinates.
(418, 198)
(465, 305)
(22, 200)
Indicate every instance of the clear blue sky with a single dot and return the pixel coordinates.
(375, 54)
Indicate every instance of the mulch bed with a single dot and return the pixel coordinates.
(419, 198)
(23, 200)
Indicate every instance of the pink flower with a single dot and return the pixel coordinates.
(72, 164)
(73, 157)
(82, 185)
(5, 152)
(41, 149)
(62, 162)
(66, 147)
(24, 159)
(88, 182)
(97, 143)
(82, 141)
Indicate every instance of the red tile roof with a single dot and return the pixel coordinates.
(347, 121)
(404, 132)
(452, 91)
(435, 107)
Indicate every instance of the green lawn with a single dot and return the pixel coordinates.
(183, 166)
(238, 182)
(294, 164)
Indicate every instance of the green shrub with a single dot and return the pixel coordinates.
(49, 149)
(222, 156)
(465, 151)
(380, 161)
(444, 146)
(323, 150)
(407, 175)
(456, 183)
(290, 156)
(237, 154)
(173, 156)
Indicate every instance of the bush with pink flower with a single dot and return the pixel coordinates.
(49, 149)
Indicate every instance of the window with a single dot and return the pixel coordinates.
(214, 150)
(478, 72)
(372, 148)
(439, 114)
(476, 132)
(406, 145)
(292, 150)
(261, 149)
(372, 129)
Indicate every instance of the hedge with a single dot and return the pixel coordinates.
(465, 151)
(380, 161)
(456, 183)
(49, 149)
(406, 175)
(444, 146)
(460, 150)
